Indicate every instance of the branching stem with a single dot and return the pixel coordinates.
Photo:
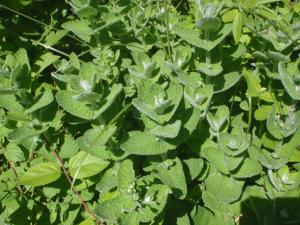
(67, 174)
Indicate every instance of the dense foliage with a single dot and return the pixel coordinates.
(149, 112)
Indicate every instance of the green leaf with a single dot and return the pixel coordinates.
(229, 15)
(167, 131)
(224, 188)
(233, 144)
(22, 133)
(154, 202)
(203, 217)
(237, 26)
(144, 143)
(209, 24)
(287, 80)
(87, 222)
(199, 97)
(20, 74)
(14, 153)
(95, 138)
(157, 103)
(212, 70)
(41, 174)
(43, 100)
(114, 208)
(69, 147)
(262, 113)
(253, 83)
(55, 36)
(44, 61)
(216, 158)
(271, 161)
(170, 172)
(218, 120)
(67, 100)
(84, 165)
(249, 168)
(193, 38)
(226, 81)
(190, 36)
(280, 126)
(126, 177)
(109, 180)
(10, 102)
(87, 12)
(195, 166)
(18, 116)
(79, 27)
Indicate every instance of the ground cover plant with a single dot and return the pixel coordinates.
(149, 112)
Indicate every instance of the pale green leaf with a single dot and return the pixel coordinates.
(84, 165)
(253, 83)
(41, 174)
(237, 26)
(14, 153)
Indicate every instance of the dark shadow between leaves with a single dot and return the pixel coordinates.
(278, 211)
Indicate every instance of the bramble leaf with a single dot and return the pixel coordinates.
(41, 174)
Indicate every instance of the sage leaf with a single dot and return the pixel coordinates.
(143, 143)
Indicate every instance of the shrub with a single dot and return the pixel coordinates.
(149, 112)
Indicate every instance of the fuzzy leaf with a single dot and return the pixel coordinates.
(143, 143)
(170, 172)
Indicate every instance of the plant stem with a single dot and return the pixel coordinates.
(207, 56)
(168, 29)
(41, 23)
(16, 177)
(116, 117)
(66, 172)
(53, 49)
(207, 53)
(249, 113)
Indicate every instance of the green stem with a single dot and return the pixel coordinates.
(41, 23)
(116, 117)
(207, 53)
(261, 129)
(207, 56)
(250, 113)
(168, 29)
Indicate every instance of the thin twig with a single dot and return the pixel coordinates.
(62, 165)
(114, 119)
(168, 29)
(15, 176)
(39, 22)
(53, 49)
